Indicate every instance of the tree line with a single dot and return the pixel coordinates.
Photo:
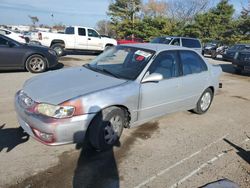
(192, 18)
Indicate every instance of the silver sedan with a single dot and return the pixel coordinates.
(123, 87)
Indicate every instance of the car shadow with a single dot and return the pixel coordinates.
(80, 53)
(96, 169)
(11, 137)
(245, 155)
(58, 66)
(228, 68)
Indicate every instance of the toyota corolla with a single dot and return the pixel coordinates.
(123, 87)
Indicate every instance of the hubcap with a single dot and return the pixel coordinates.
(37, 64)
(112, 130)
(58, 50)
(205, 101)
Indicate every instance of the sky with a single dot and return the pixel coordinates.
(68, 12)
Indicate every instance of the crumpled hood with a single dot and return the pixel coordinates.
(58, 86)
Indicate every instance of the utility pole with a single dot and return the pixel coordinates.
(133, 20)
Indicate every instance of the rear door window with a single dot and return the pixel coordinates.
(81, 31)
(3, 42)
(70, 30)
(192, 63)
(191, 43)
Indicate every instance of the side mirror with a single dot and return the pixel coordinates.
(154, 77)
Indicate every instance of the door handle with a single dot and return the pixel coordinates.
(89, 38)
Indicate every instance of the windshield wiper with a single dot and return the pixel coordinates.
(110, 73)
(100, 70)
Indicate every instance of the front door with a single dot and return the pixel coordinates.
(94, 40)
(159, 98)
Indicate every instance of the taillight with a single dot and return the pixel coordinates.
(40, 36)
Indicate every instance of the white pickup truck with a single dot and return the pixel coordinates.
(75, 38)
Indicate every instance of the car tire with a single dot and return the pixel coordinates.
(106, 128)
(36, 64)
(59, 49)
(213, 55)
(204, 102)
(107, 47)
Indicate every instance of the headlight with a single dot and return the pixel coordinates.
(52, 52)
(55, 111)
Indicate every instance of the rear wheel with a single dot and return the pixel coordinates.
(36, 64)
(59, 49)
(106, 128)
(204, 102)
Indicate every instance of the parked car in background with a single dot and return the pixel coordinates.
(15, 55)
(129, 40)
(188, 42)
(241, 61)
(15, 36)
(230, 52)
(123, 87)
(75, 38)
(214, 48)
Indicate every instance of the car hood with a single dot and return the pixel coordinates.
(58, 86)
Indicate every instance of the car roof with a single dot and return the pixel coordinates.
(156, 46)
(177, 37)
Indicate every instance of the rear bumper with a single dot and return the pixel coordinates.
(64, 131)
(242, 65)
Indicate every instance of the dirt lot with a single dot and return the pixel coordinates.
(178, 150)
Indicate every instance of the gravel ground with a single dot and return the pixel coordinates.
(178, 150)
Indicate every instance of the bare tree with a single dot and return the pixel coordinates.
(186, 10)
(34, 20)
(155, 8)
(104, 27)
(246, 10)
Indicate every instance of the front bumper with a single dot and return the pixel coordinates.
(52, 60)
(64, 131)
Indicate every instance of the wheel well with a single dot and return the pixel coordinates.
(212, 88)
(57, 42)
(126, 111)
(47, 63)
(109, 45)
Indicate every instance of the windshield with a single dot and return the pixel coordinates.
(122, 62)
(162, 40)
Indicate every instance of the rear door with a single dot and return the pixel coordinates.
(195, 77)
(94, 40)
(81, 39)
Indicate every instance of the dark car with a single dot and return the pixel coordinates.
(230, 53)
(213, 48)
(34, 58)
(241, 61)
(188, 42)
